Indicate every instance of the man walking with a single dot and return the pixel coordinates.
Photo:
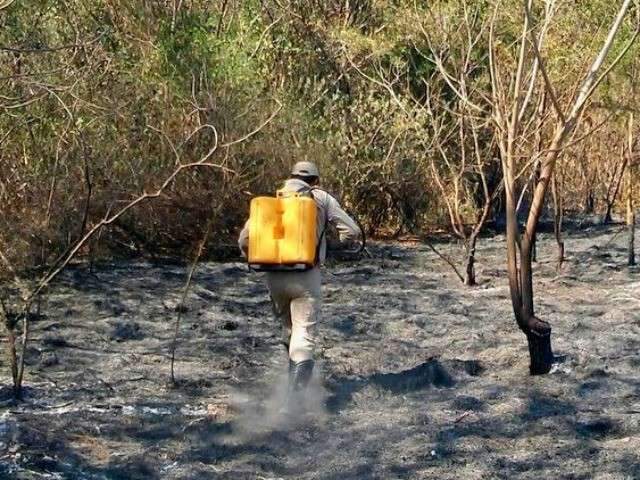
(296, 295)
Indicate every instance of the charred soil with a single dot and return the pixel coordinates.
(419, 377)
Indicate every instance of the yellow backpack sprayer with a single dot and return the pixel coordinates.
(283, 232)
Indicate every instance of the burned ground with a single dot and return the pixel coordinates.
(420, 377)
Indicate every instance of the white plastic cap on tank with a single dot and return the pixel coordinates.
(305, 169)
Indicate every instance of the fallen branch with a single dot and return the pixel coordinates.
(446, 259)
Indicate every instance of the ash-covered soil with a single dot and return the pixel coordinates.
(421, 378)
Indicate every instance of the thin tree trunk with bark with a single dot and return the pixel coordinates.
(631, 218)
(470, 270)
(631, 224)
(542, 106)
(589, 202)
(11, 353)
(614, 189)
(557, 221)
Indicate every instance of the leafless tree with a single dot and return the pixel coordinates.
(512, 90)
(537, 331)
(465, 188)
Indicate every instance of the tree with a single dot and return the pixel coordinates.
(465, 187)
(507, 115)
(514, 82)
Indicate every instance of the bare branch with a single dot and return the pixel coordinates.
(590, 82)
(42, 284)
(450, 262)
(185, 292)
(253, 132)
(615, 62)
(540, 62)
(382, 84)
(6, 4)
(263, 35)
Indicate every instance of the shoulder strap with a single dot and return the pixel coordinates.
(308, 191)
(325, 224)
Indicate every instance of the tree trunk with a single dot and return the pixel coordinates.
(557, 222)
(542, 106)
(534, 248)
(589, 203)
(538, 332)
(631, 218)
(611, 198)
(10, 324)
(607, 219)
(540, 353)
(470, 270)
(23, 352)
(631, 225)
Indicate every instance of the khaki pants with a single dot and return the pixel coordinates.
(296, 303)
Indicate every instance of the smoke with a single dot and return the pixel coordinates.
(261, 411)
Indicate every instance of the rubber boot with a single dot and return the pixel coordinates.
(299, 376)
